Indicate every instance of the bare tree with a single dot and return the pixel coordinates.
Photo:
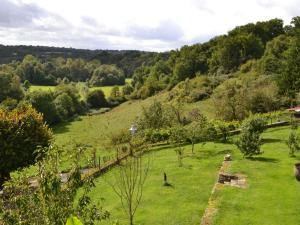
(129, 182)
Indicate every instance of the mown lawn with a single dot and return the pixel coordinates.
(185, 202)
(272, 195)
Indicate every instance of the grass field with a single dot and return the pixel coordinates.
(271, 196)
(105, 89)
(184, 202)
(41, 88)
(95, 130)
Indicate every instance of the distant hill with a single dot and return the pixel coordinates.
(127, 60)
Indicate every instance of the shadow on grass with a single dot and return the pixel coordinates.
(270, 140)
(168, 185)
(61, 128)
(212, 153)
(263, 159)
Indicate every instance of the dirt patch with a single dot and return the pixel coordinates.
(233, 180)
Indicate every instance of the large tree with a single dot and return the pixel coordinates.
(289, 80)
(107, 75)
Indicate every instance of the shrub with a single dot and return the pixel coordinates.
(249, 142)
(22, 132)
(26, 85)
(43, 102)
(155, 135)
(154, 117)
(115, 97)
(9, 104)
(223, 128)
(10, 87)
(52, 200)
(127, 89)
(64, 106)
(115, 92)
(96, 99)
(293, 143)
(107, 75)
(73, 93)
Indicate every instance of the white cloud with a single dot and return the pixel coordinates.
(131, 24)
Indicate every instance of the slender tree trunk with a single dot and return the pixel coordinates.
(131, 220)
(193, 144)
(130, 215)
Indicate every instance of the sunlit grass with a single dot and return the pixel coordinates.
(105, 89)
(271, 197)
(184, 202)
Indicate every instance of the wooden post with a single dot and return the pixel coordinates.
(94, 156)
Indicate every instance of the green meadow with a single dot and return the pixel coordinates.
(105, 89)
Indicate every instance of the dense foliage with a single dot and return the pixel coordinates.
(10, 87)
(50, 200)
(96, 99)
(60, 105)
(237, 97)
(53, 71)
(107, 75)
(22, 132)
(265, 48)
(249, 141)
(126, 60)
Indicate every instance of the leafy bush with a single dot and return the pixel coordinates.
(73, 93)
(293, 143)
(60, 105)
(51, 201)
(96, 99)
(9, 104)
(237, 97)
(64, 106)
(107, 75)
(115, 97)
(249, 141)
(43, 102)
(223, 128)
(22, 132)
(154, 117)
(127, 89)
(156, 135)
(10, 87)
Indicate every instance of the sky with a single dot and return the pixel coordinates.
(152, 25)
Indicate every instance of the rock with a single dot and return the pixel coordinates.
(227, 157)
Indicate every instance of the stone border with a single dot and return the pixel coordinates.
(224, 179)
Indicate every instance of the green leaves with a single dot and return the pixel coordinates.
(73, 220)
(249, 141)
